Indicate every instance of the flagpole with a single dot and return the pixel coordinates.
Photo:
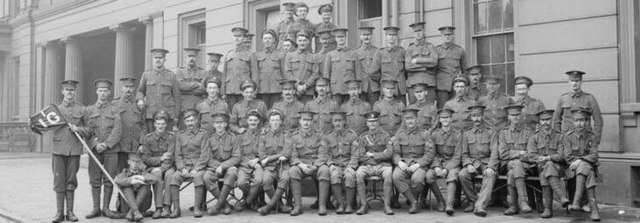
(86, 147)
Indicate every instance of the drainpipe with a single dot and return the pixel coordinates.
(421, 10)
(385, 13)
(33, 64)
(394, 13)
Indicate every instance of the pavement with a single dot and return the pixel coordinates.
(27, 196)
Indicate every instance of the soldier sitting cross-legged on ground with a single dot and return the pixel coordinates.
(135, 182)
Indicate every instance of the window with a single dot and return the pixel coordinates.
(493, 39)
(369, 9)
(192, 34)
(369, 14)
(262, 15)
(197, 34)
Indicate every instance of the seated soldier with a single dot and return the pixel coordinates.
(545, 151)
(250, 169)
(220, 156)
(275, 161)
(581, 153)
(459, 104)
(134, 182)
(427, 110)
(412, 155)
(342, 149)
(355, 108)
(307, 161)
(479, 157)
(211, 104)
(512, 147)
(238, 119)
(188, 151)
(389, 107)
(375, 160)
(446, 162)
(157, 151)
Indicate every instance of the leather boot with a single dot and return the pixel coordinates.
(451, 197)
(547, 202)
(166, 211)
(575, 206)
(59, 217)
(137, 216)
(438, 194)
(106, 202)
(523, 198)
(175, 199)
(197, 206)
(243, 202)
(296, 191)
(275, 198)
(591, 196)
(70, 200)
(337, 192)
(362, 194)
(222, 200)
(554, 182)
(216, 193)
(414, 208)
(253, 193)
(387, 191)
(95, 195)
(323, 193)
(157, 214)
(351, 195)
(511, 199)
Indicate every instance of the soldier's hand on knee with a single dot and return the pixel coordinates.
(264, 162)
(193, 173)
(184, 171)
(402, 165)
(489, 172)
(165, 156)
(219, 170)
(370, 154)
(156, 170)
(575, 164)
(471, 169)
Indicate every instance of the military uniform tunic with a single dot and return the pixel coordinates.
(546, 144)
(563, 121)
(365, 56)
(188, 149)
(355, 109)
(388, 64)
(476, 91)
(299, 66)
(448, 154)
(160, 91)
(133, 125)
(208, 107)
(290, 111)
(305, 148)
(154, 145)
(66, 148)
(531, 107)
(451, 61)
(413, 146)
(512, 140)
(272, 146)
(282, 29)
(424, 71)
(270, 71)
(220, 151)
(494, 115)
(582, 145)
(103, 119)
(460, 104)
(342, 150)
(340, 66)
(390, 112)
(322, 107)
(239, 65)
(191, 88)
(248, 143)
(426, 114)
(240, 110)
(479, 149)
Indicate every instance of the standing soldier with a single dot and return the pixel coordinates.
(412, 155)
(239, 66)
(299, 66)
(388, 62)
(531, 105)
(133, 123)
(283, 26)
(250, 169)
(321, 106)
(581, 153)
(426, 110)
(219, 158)
(211, 105)
(240, 110)
(319, 60)
(159, 90)
(460, 104)
(66, 151)
(342, 149)
(355, 108)
(421, 61)
(512, 147)
(546, 152)
(370, 88)
(275, 157)
(451, 61)
(340, 66)
(306, 160)
(446, 162)
(289, 45)
(324, 38)
(375, 160)
(562, 118)
(476, 88)
(301, 10)
(190, 79)
(134, 182)
(389, 107)
(495, 101)
(157, 152)
(103, 120)
(213, 61)
(289, 106)
(479, 157)
(325, 12)
(187, 152)
(270, 68)
(248, 41)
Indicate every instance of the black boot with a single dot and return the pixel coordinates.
(95, 195)
(414, 208)
(451, 197)
(275, 198)
(106, 202)
(511, 199)
(337, 192)
(296, 191)
(70, 199)
(523, 197)
(547, 202)
(222, 200)
(323, 193)
(59, 217)
(578, 194)
(197, 206)
(351, 196)
(387, 190)
(438, 194)
(591, 195)
(362, 195)
(554, 182)
(175, 199)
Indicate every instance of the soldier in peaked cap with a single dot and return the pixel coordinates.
(370, 88)
(300, 66)
(512, 147)
(289, 105)
(476, 88)
(427, 113)
(270, 68)
(248, 40)
(421, 60)
(325, 12)
(213, 61)
(66, 150)
(322, 105)
(563, 120)
(496, 101)
(152, 98)
(389, 107)
(301, 10)
(190, 78)
(388, 62)
(531, 105)
(581, 153)
(546, 152)
(355, 108)
(240, 66)
(238, 122)
(340, 66)
(134, 182)
(283, 27)
(103, 119)
(212, 104)
(460, 104)
(250, 171)
(451, 61)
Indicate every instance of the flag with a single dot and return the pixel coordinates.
(48, 118)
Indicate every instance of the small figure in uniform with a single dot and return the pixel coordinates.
(190, 79)
(135, 181)
(420, 62)
(476, 88)
(389, 107)
(340, 66)
(370, 87)
(562, 118)
(133, 122)
(451, 61)
(388, 62)
(299, 66)
(238, 123)
(211, 105)
(427, 109)
(531, 105)
(460, 104)
(213, 61)
(270, 68)
(355, 108)
(239, 66)
(325, 11)
(322, 105)
(283, 27)
(495, 101)
(301, 10)
(153, 98)
(250, 169)
(289, 106)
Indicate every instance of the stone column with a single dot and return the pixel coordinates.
(124, 56)
(53, 72)
(73, 65)
(148, 41)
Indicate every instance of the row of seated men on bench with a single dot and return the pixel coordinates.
(267, 159)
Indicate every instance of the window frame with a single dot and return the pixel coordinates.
(257, 16)
(186, 36)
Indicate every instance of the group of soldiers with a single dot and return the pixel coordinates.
(297, 114)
